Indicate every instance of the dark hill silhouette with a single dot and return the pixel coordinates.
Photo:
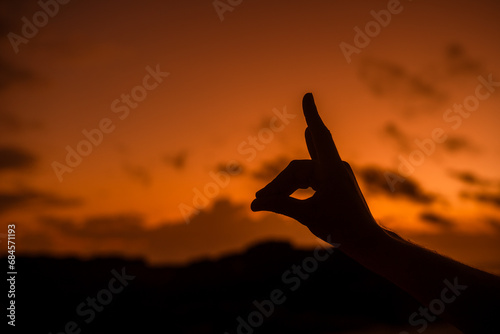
(209, 295)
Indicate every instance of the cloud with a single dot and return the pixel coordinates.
(11, 13)
(392, 131)
(271, 168)
(233, 168)
(26, 199)
(436, 219)
(10, 74)
(483, 197)
(452, 143)
(99, 227)
(457, 62)
(138, 173)
(224, 228)
(377, 181)
(13, 158)
(177, 160)
(388, 79)
(495, 223)
(391, 80)
(469, 178)
(456, 143)
(10, 122)
(36, 242)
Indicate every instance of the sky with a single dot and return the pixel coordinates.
(144, 129)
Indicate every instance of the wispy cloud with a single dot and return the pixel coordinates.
(14, 158)
(138, 173)
(405, 142)
(375, 179)
(458, 62)
(387, 79)
(469, 178)
(455, 144)
(394, 132)
(27, 199)
(224, 228)
(99, 227)
(436, 219)
(271, 168)
(10, 74)
(483, 197)
(12, 123)
(177, 160)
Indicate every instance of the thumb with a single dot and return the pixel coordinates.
(285, 205)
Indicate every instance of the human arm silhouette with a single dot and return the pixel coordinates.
(338, 210)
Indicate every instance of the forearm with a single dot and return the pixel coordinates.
(427, 276)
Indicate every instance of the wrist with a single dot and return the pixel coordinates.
(364, 241)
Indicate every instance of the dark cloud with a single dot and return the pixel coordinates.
(378, 181)
(458, 61)
(271, 168)
(390, 80)
(10, 74)
(177, 160)
(436, 219)
(26, 199)
(393, 131)
(423, 89)
(10, 122)
(232, 167)
(14, 158)
(483, 197)
(469, 178)
(452, 144)
(9, 12)
(99, 227)
(455, 143)
(224, 228)
(495, 223)
(138, 173)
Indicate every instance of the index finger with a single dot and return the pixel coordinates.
(326, 150)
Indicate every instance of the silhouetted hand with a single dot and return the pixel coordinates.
(337, 208)
(338, 213)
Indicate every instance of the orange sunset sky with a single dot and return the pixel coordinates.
(229, 75)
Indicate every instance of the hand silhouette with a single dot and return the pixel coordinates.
(337, 208)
